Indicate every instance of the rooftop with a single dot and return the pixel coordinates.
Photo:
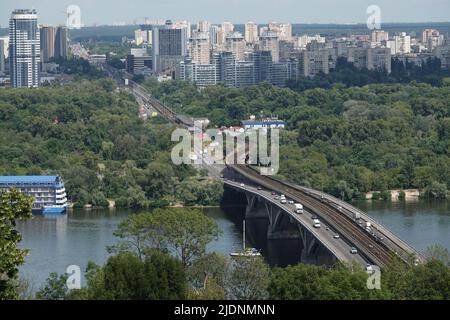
(28, 179)
(24, 11)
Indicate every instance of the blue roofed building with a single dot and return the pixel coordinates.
(48, 191)
(267, 123)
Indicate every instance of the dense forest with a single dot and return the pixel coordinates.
(91, 135)
(346, 141)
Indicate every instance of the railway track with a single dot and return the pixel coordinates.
(371, 249)
(166, 112)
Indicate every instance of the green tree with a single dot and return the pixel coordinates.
(159, 276)
(55, 288)
(185, 232)
(207, 272)
(249, 279)
(13, 206)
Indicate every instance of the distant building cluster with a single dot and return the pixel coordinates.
(30, 48)
(211, 54)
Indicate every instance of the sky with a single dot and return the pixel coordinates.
(237, 11)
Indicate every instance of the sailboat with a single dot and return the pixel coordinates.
(246, 252)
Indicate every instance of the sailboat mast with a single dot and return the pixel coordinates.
(243, 236)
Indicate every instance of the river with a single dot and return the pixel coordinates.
(56, 242)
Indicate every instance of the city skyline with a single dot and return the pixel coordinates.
(321, 11)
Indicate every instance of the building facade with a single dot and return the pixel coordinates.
(169, 47)
(235, 43)
(53, 43)
(2, 56)
(199, 48)
(251, 32)
(269, 42)
(24, 48)
(48, 192)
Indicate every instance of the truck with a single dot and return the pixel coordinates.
(316, 223)
(298, 208)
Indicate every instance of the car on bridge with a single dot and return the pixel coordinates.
(283, 201)
(353, 250)
(316, 223)
(336, 236)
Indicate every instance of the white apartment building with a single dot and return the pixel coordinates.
(199, 49)
(235, 43)
(24, 48)
(268, 41)
(251, 32)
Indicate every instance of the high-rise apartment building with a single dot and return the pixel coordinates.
(286, 49)
(199, 49)
(379, 59)
(227, 28)
(251, 32)
(313, 62)
(24, 48)
(202, 75)
(262, 61)
(61, 50)
(214, 35)
(235, 44)
(203, 26)
(402, 43)
(431, 38)
(2, 56)
(268, 41)
(53, 43)
(169, 46)
(283, 30)
(184, 24)
(379, 35)
(427, 33)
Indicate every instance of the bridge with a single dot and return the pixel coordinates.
(376, 245)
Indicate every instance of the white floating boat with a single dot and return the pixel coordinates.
(246, 252)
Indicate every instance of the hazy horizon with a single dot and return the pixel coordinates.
(103, 12)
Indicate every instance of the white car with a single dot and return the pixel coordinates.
(353, 250)
(291, 201)
(336, 236)
(316, 223)
(283, 201)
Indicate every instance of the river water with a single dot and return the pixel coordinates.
(55, 242)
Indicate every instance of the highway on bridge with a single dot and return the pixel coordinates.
(339, 247)
(378, 246)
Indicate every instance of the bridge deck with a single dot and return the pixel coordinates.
(325, 235)
(373, 249)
